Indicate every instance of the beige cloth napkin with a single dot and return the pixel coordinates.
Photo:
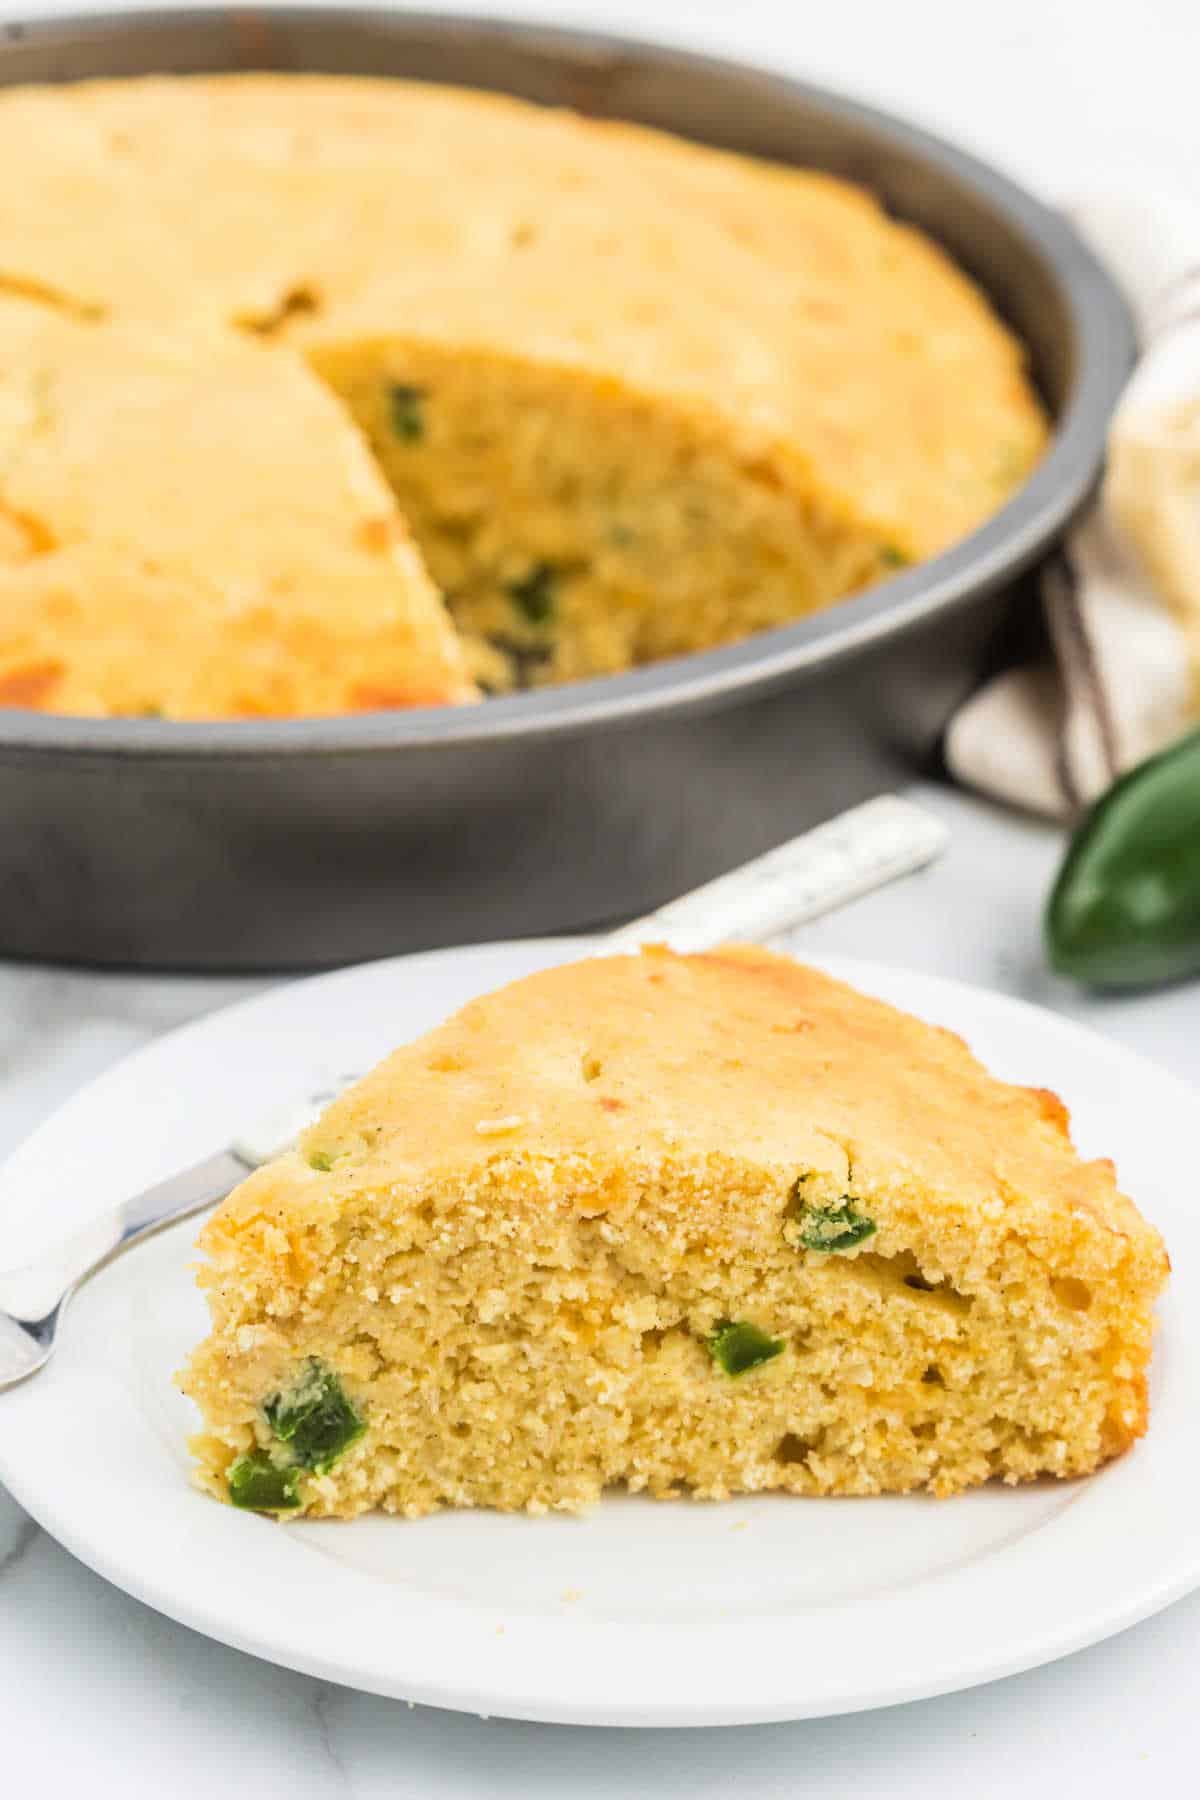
(1122, 595)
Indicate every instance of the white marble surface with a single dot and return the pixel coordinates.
(100, 1695)
(95, 1687)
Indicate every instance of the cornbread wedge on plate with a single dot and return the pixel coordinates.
(686, 1224)
(175, 513)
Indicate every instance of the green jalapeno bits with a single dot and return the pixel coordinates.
(829, 1228)
(737, 1346)
(534, 595)
(314, 1418)
(258, 1485)
(406, 410)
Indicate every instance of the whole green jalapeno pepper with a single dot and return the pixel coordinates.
(1125, 909)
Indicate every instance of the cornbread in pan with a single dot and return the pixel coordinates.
(706, 1224)
(192, 526)
(635, 397)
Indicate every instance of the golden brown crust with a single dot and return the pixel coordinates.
(709, 1054)
(827, 383)
(740, 286)
(204, 535)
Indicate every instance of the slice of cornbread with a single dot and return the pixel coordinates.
(705, 1224)
(636, 397)
(177, 515)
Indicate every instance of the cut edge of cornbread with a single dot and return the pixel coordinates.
(579, 523)
(670, 1223)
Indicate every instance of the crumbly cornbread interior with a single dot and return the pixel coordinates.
(567, 516)
(635, 397)
(688, 1225)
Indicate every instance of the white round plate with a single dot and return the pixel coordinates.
(642, 1613)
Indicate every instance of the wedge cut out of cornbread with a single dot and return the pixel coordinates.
(635, 397)
(687, 1224)
(176, 513)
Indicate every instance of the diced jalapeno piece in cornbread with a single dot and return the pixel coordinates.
(737, 1346)
(321, 1161)
(258, 1485)
(834, 1227)
(534, 595)
(314, 1417)
(406, 410)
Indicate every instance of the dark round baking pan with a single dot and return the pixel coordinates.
(307, 842)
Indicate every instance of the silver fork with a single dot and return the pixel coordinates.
(823, 868)
(33, 1299)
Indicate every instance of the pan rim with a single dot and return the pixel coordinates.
(707, 680)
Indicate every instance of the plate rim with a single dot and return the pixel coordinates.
(1112, 1610)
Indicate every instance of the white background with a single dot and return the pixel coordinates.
(99, 1696)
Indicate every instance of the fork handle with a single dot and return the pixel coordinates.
(30, 1294)
(823, 868)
